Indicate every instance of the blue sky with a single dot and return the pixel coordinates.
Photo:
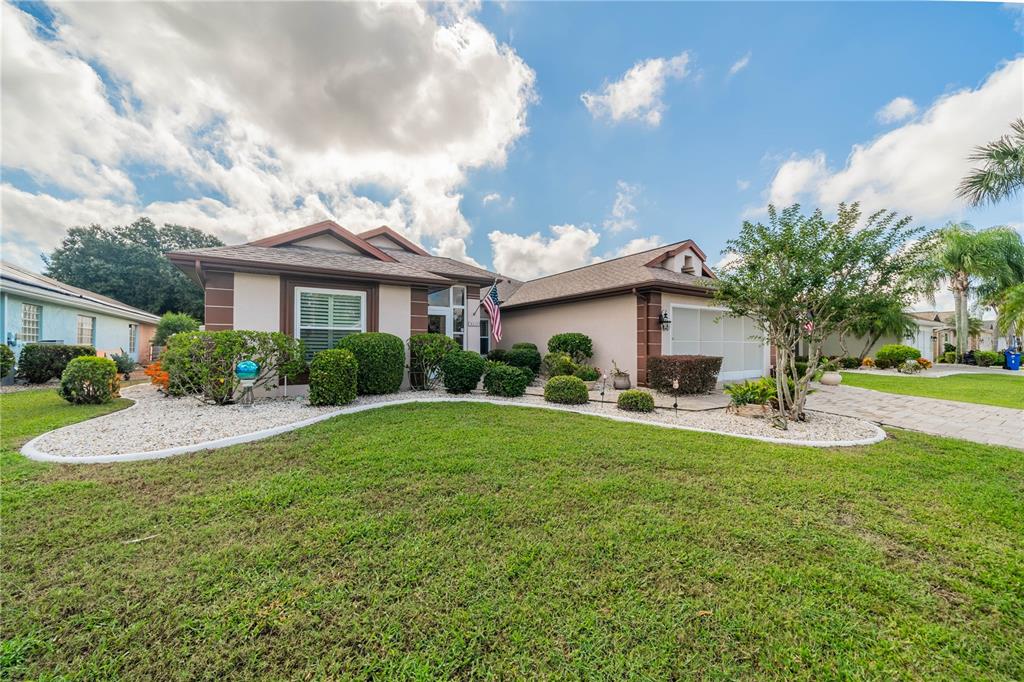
(509, 164)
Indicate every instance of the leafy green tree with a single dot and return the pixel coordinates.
(172, 323)
(1001, 174)
(127, 262)
(804, 278)
(883, 318)
(1011, 311)
(963, 257)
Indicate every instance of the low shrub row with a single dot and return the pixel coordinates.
(988, 358)
(896, 354)
(40, 362)
(694, 373)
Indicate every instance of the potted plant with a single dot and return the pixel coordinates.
(125, 363)
(829, 376)
(620, 378)
(751, 398)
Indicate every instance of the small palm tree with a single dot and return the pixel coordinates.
(1011, 311)
(887, 318)
(1001, 174)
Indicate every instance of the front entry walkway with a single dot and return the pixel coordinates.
(978, 423)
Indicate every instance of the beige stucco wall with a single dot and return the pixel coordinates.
(395, 307)
(257, 302)
(610, 322)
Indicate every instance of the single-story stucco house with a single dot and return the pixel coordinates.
(38, 309)
(322, 281)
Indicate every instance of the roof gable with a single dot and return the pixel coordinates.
(385, 232)
(325, 227)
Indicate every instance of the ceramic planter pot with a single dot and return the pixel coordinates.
(831, 378)
(620, 382)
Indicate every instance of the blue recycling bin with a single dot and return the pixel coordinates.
(1013, 360)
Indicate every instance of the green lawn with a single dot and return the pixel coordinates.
(984, 389)
(479, 541)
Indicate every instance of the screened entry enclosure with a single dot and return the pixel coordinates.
(708, 331)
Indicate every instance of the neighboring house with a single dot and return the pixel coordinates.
(945, 332)
(635, 307)
(321, 282)
(923, 339)
(35, 308)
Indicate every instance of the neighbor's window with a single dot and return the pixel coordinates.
(485, 336)
(324, 316)
(86, 330)
(133, 337)
(31, 318)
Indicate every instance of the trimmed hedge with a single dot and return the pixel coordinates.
(426, 353)
(587, 373)
(849, 363)
(89, 380)
(333, 376)
(497, 354)
(635, 400)
(528, 373)
(524, 357)
(949, 356)
(6, 359)
(988, 358)
(558, 364)
(381, 359)
(40, 362)
(574, 344)
(461, 371)
(566, 390)
(695, 373)
(171, 324)
(897, 354)
(505, 380)
(525, 344)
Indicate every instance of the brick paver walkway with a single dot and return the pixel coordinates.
(978, 423)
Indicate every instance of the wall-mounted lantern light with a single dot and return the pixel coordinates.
(665, 320)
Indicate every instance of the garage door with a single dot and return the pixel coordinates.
(703, 331)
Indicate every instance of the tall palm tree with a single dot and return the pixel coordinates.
(1001, 174)
(963, 256)
(998, 281)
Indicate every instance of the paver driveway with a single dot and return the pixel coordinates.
(979, 423)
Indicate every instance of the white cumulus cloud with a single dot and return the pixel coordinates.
(623, 208)
(455, 248)
(739, 64)
(637, 95)
(535, 255)
(898, 109)
(916, 167)
(637, 245)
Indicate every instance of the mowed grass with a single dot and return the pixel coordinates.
(984, 389)
(477, 541)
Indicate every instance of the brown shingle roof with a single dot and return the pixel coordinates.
(446, 267)
(618, 274)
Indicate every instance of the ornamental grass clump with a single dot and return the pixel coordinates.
(381, 359)
(567, 390)
(89, 380)
(333, 377)
(461, 371)
(505, 380)
(635, 400)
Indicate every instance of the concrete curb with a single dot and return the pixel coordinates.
(31, 450)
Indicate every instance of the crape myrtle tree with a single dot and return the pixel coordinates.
(805, 278)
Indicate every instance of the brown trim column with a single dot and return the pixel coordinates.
(648, 332)
(418, 310)
(219, 299)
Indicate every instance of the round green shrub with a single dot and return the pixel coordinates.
(949, 356)
(381, 359)
(577, 346)
(567, 390)
(461, 371)
(988, 358)
(426, 353)
(505, 380)
(849, 363)
(171, 324)
(528, 373)
(884, 363)
(635, 400)
(897, 354)
(525, 344)
(6, 359)
(333, 376)
(497, 354)
(587, 373)
(524, 357)
(558, 364)
(89, 380)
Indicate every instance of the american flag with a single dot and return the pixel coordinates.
(493, 307)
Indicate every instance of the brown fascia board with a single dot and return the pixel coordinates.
(613, 291)
(325, 227)
(398, 239)
(188, 264)
(688, 244)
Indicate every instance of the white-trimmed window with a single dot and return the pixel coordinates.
(86, 330)
(459, 315)
(485, 336)
(31, 322)
(133, 337)
(325, 316)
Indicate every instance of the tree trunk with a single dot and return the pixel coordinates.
(958, 325)
(995, 331)
(872, 340)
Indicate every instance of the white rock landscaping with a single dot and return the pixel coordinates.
(157, 426)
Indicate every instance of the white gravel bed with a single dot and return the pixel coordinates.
(157, 426)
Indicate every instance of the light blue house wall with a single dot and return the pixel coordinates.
(60, 323)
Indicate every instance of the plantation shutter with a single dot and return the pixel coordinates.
(325, 317)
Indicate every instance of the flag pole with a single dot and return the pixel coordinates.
(476, 313)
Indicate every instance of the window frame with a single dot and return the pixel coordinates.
(92, 330)
(38, 322)
(133, 337)
(485, 335)
(297, 312)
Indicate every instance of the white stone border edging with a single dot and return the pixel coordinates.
(31, 451)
